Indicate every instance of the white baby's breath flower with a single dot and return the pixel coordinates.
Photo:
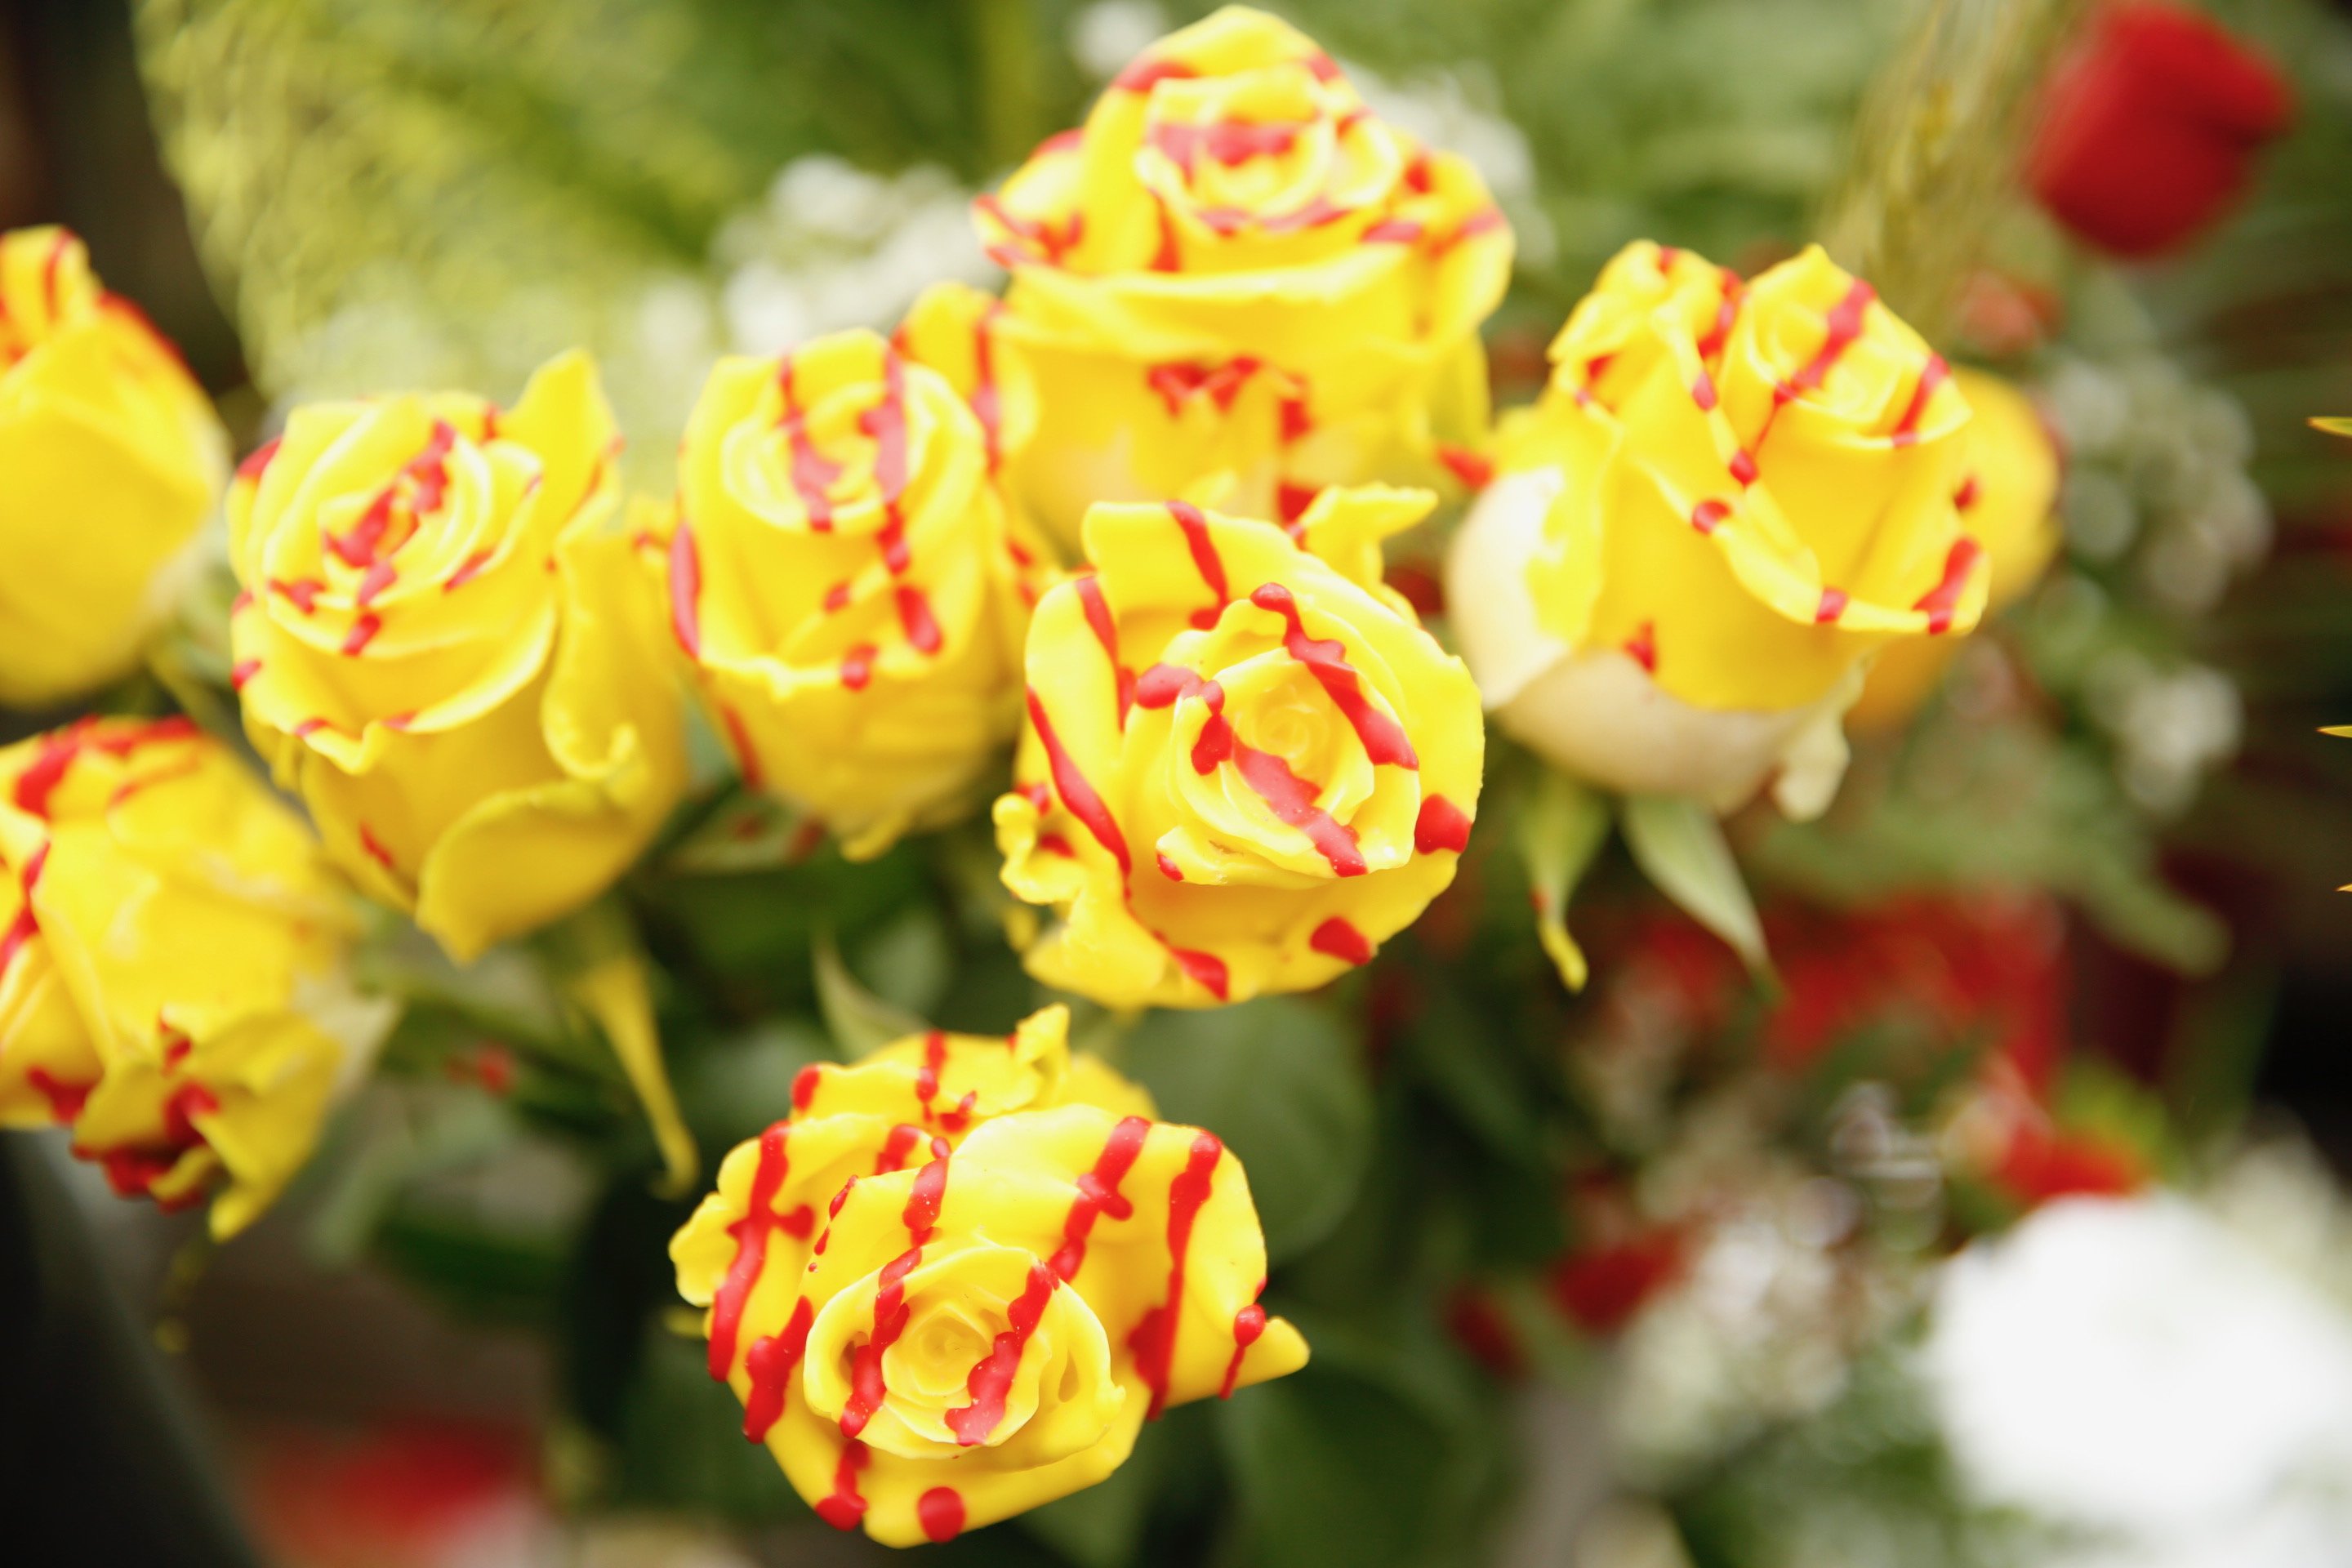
(1105, 36)
(2131, 1370)
(833, 247)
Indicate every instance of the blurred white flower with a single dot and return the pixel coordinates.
(2132, 1371)
(2101, 517)
(1106, 36)
(2278, 1196)
(833, 245)
(2090, 407)
(1763, 1328)
(2170, 727)
(1630, 1533)
(2158, 462)
(652, 332)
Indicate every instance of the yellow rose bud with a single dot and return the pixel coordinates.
(1235, 268)
(947, 1290)
(841, 571)
(1246, 765)
(444, 646)
(1730, 496)
(109, 457)
(2006, 498)
(171, 950)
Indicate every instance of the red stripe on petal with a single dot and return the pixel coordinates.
(1339, 939)
(1942, 601)
(1441, 824)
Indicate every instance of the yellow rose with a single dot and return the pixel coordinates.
(956, 329)
(171, 950)
(1246, 765)
(950, 1287)
(1235, 267)
(109, 457)
(2006, 498)
(1730, 496)
(444, 646)
(840, 569)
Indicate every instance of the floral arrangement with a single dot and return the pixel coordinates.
(1038, 858)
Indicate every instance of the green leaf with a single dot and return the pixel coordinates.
(2013, 806)
(1875, 1460)
(748, 940)
(395, 1136)
(1679, 845)
(746, 832)
(681, 1444)
(504, 990)
(1278, 1079)
(497, 1273)
(1560, 829)
(1102, 1526)
(908, 959)
(861, 1021)
(2134, 906)
(1468, 1062)
(1330, 1469)
(603, 971)
(2096, 1099)
(731, 1089)
(1382, 1451)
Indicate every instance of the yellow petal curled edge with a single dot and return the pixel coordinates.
(171, 979)
(1731, 496)
(2006, 501)
(1234, 268)
(442, 646)
(938, 1313)
(110, 456)
(844, 577)
(1245, 767)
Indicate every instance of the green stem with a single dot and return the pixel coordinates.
(1936, 147)
(1004, 55)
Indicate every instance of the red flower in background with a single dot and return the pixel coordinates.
(2148, 134)
(1601, 1287)
(2043, 1162)
(2010, 1139)
(1670, 960)
(1983, 968)
(422, 1493)
(1969, 969)
(1479, 1325)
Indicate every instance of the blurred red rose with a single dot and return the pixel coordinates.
(2043, 1162)
(422, 1493)
(1601, 1288)
(2149, 132)
(1480, 1326)
(1981, 968)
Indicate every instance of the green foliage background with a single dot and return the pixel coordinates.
(386, 191)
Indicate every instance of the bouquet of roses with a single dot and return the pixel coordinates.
(1103, 662)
